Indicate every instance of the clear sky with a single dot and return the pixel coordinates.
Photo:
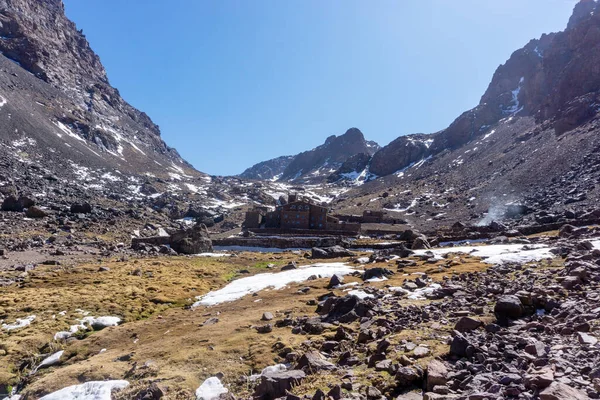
(235, 82)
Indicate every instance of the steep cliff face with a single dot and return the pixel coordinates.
(73, 94)
(555, 79)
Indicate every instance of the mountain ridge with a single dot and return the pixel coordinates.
(317, 164)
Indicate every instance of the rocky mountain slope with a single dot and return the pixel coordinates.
(268, 170)
(318, 164)
(56, 93)
(553, 79)
(66, 135)
(531, 141)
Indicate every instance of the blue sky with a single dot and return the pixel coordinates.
(235, 82)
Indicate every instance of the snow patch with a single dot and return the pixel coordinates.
(210, 389)
(497, 254)
(516, 106)
(360, 294)
(252, 284)
(68, 131)
(19, 324)
(94, 390)
(51, 360)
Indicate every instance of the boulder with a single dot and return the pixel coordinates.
(35, 212)
(267, 316)
(508, 306)
(437, 374)
(81, 208)
(408, 376)
(11, 203)
(192, 241)
(343, 309)
(459, 345)
(330, 252)
(335, 280)
(274, 385)
(467, 324)
(377, 273)
(312, 362)
(420, 243)
(560, 391)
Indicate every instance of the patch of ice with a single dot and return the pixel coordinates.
(516, 106)
(136, 148)
(489, 134)
(210, 389)
(376, 279)
(213, 255)
(24, 142)
(111, 177)
(252, 284)
(3, 101)
(411, 205)
(94, 390)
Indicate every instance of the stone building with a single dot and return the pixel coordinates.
(297, 214)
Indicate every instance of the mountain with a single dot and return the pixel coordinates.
(67, 136)
(268, 170)
(57, 102)
(315, 165)
(531, 144)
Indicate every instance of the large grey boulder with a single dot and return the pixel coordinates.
(560, 391)
(508, 306)
(274, 385)
(331, 252)
(437, 374)
(192, 241)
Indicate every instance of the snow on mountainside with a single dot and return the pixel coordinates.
(268, 170)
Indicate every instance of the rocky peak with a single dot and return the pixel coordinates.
(321, 161)
(583, 10)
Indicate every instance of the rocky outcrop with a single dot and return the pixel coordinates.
(400, 153)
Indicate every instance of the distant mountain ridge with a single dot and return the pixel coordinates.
(314, 165)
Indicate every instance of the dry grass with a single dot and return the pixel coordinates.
(150, 294)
